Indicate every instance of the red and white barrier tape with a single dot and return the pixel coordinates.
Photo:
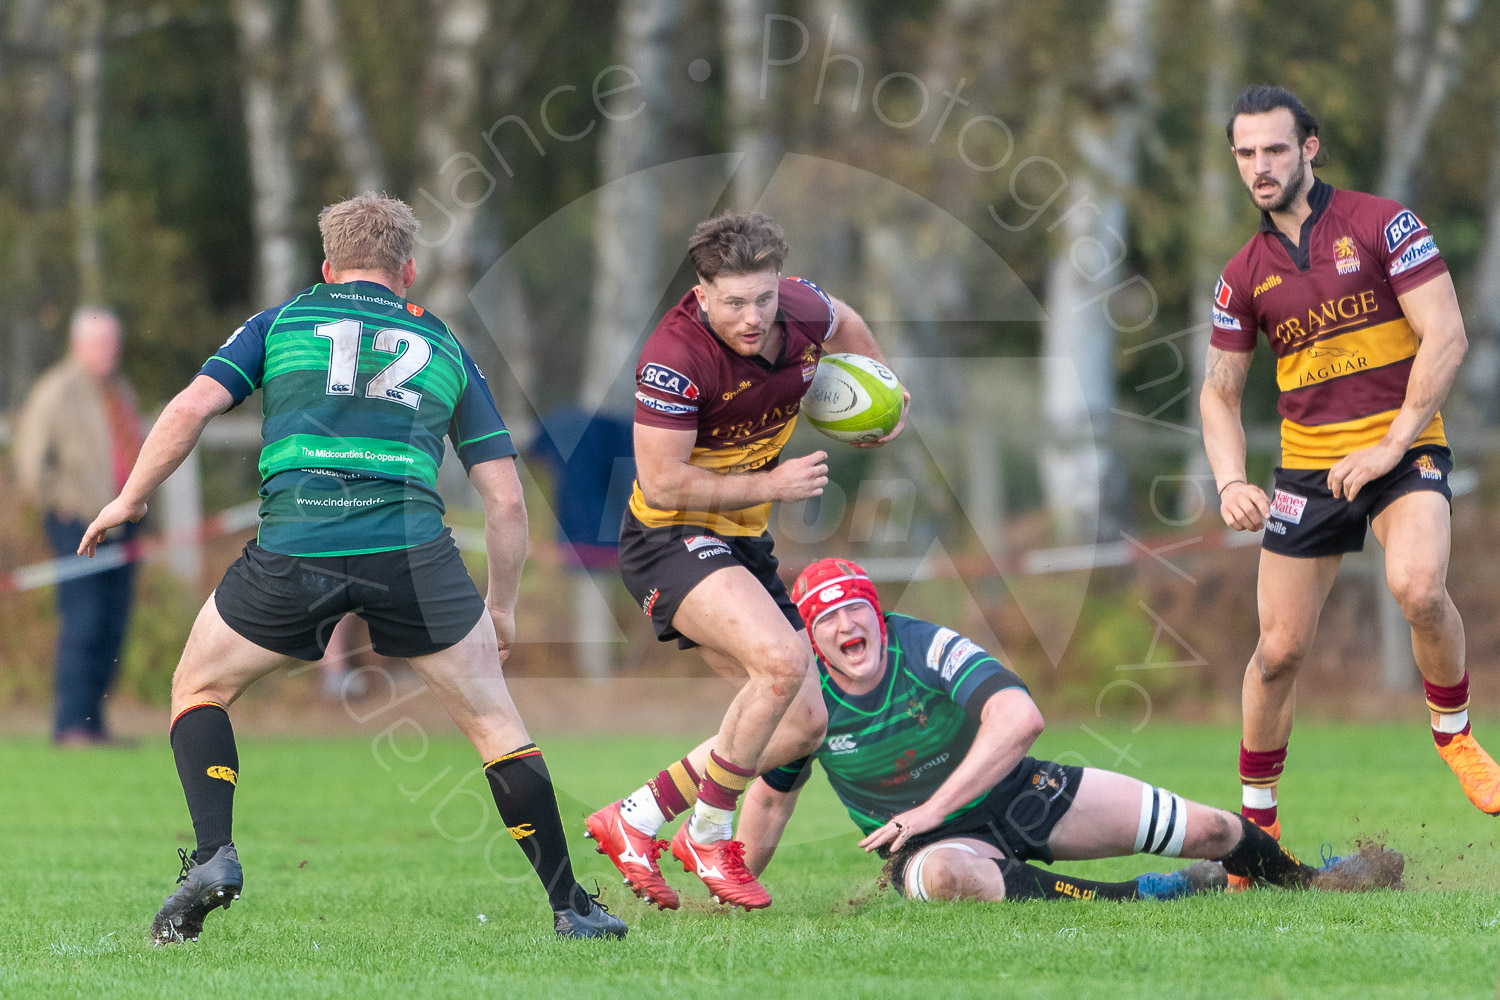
(108, 557)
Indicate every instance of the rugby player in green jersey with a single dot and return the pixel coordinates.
(927, 746)
(360, 387)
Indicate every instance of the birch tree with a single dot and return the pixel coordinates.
(1080, 472)
(1426, 64)
(281, 266)
(627, 237)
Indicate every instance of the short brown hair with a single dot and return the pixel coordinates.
(369, 232)
(736, 243)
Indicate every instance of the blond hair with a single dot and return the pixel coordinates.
(369, 232)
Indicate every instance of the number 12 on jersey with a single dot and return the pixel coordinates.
(412, 351)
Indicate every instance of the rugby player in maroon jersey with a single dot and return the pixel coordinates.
(1359, 309)
(719, 384)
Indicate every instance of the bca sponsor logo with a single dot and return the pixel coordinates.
(663, 378)
(663, 406)
(842, 744)
(1418, 253)
(1222, 293)
(1288, 506)
(961, 652)
(1399, 228)
(1224, 321)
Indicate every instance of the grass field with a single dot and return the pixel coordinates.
(367, 876)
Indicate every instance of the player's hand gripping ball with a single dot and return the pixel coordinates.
(853, 399)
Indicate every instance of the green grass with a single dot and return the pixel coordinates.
(359, 886)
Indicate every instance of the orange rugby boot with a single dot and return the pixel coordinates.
(1477, 771)
(1241, 883)
(634, 853)
(721, 866)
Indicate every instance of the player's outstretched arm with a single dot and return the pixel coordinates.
(670, 482)
(851, 335)
(171, 440)
(1243, 505)
(504, 541)
(1432, 310)
(764, 814)
(1009, 724)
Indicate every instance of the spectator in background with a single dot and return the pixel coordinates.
(76, 441)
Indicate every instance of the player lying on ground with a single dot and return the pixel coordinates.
(718, 388)
(927, 748)
(360, 387)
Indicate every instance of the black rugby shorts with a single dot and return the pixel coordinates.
(416, 600)
(1307, 520)
(661, 566)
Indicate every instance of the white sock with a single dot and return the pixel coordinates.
(641, 811)
(1258, 797)
(1450, 722)
(710, 823)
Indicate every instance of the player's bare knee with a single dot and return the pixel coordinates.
(1423, 599)
(1279, 658)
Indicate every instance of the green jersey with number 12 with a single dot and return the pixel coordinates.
(360, 388)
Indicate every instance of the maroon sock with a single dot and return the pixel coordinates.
(1261, 769)
(1446, 701)
(723, 782)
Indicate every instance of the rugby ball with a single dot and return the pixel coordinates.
(853, 398)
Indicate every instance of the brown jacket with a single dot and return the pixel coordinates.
(63, 448)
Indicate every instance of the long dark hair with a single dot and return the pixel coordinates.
(1260, 98)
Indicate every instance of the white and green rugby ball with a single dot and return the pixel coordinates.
(853, 398)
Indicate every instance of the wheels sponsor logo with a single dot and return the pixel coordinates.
(1427, 468)
(1345, 257)
(664, 378)
(663, 406)
(963, 650)
(1288, 506)
(842, 744)
(1399, 229)
(1415, 255)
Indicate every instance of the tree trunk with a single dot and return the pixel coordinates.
(749, 109)
(1424, 74)
(1214, 240)
(1481, 370)
(627, 237)
(87, 56)
(281, 265)
(453, 181)
(1081, 475)
(357, 151)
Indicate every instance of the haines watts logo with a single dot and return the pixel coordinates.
(1345, 258)
(224, 774)
(1265, 286)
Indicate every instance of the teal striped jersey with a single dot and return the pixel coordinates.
(888, 750)
(360, 388)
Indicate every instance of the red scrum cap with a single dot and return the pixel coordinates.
(830, 584)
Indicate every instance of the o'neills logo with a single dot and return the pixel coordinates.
(1266, 286)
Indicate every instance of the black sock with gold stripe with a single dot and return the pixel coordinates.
(208, 765)
(528, 805)
(1023, 881)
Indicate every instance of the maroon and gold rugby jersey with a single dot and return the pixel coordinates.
(1329, 310)
(743, 409)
